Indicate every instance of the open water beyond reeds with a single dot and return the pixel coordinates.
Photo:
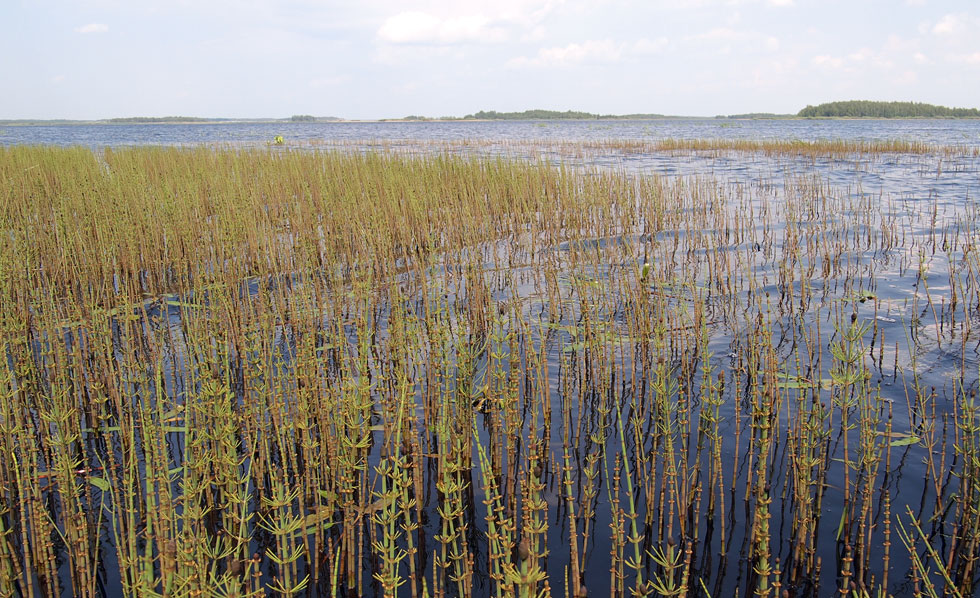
(477, 365)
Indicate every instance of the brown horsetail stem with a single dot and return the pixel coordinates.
(439, 373)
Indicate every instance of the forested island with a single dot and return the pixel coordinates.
(870, 109)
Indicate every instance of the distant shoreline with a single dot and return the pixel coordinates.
(60, 122)
(840, 110)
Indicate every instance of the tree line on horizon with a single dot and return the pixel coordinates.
(872, 109)
(839, 109)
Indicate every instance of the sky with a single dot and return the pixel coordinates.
(92, 59)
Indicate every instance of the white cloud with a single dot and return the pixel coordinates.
(728, 40)
(949, 24)
(650, 46)
(907, 78)
(774, 72)
(482, 21)
(525, 13)
(973, 58)
(861, 55)
(536, 34)
(896, 44)
(825, 60)
(592, 51)
(865, 60)
(722, 34)
(781, 2)
(954, 38)
(424, 28)
(92, 28)
(396, 55)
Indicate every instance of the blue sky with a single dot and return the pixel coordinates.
(89, 59)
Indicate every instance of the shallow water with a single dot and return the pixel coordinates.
(905, 226)
(939, 132)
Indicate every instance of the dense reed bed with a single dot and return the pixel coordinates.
(277, 372)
